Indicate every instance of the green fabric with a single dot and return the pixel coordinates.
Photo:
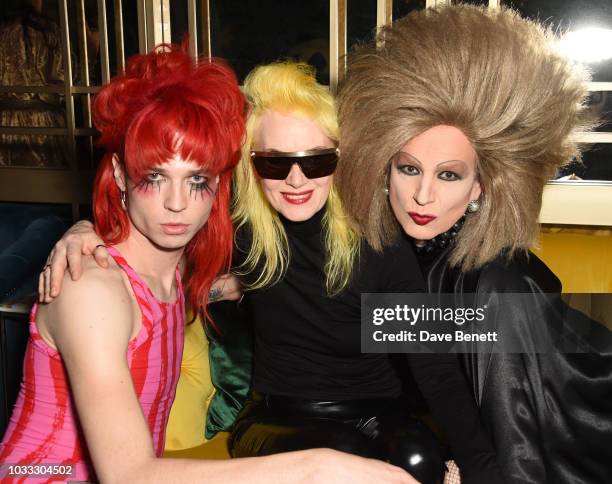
(230, 354)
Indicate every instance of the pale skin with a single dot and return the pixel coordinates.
(292, 132)
(91, 323)
(434, 174)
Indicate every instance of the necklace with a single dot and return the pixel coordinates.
(440, 241)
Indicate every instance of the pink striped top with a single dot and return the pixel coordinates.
(44, 427)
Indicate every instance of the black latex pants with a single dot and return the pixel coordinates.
(375, 428)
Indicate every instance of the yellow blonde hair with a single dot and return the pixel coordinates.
(288, 87)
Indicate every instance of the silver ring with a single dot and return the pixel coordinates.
(99, 245)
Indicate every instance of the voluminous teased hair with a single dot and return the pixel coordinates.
(491, 74)
(289, 88)
(166, 104)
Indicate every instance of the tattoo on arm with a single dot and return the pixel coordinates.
(214, 294)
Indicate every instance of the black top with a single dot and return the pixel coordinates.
(549, 414)
(307, 344)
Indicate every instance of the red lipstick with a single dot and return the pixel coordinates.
(421, 219)
(297, 198)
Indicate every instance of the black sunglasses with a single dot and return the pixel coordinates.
(276, 165)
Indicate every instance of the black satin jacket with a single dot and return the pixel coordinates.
(549, 415)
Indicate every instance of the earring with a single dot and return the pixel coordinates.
(386, 190)
(123, 197)
(473, 206)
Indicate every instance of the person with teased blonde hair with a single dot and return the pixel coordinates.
(450, 127)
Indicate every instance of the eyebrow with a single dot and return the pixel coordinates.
(199, 171)
(403, 153)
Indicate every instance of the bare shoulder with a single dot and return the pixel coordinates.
(96, 285)
(99, 301)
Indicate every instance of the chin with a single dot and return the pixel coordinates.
(419, 232)
(299, 213)
(174, 242)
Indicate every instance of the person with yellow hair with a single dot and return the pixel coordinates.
(303, 268)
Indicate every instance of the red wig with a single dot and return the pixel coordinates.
(165, 96)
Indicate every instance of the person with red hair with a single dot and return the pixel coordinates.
(103, 359)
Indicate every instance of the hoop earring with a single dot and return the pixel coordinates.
(123, 197)
(473, 206)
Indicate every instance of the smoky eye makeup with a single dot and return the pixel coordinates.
(407, 169)
(148, 181)
(458, 167)
(449, 175)
(199, 183)
(201, 186)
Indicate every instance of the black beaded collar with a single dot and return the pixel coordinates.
(440, 241)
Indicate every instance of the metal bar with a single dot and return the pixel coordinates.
(69, 101)
(192, 27)
(384, 13)
(44, 185)
(85, 89)
(206, 39)
(437, 3)
(150, 19)
(165, 22)
(48, 89)
(158, 22)
(143, 46)
(119, 39)
(334, 41)
(82, 43)
(34, 131)
(341, 39)
(104, 65)
(600, 86)
(33, 89)
(577, 204)
(47, 131)
(84, 68)
(592, 137)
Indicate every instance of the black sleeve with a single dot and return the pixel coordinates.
(439, 376)
(549, 413)
(394, 270)
(446, 391)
